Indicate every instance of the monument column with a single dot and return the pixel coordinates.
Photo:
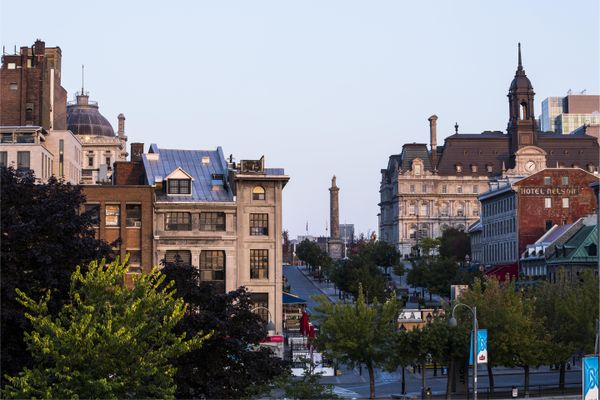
(335, 244)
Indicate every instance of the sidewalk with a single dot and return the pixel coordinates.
(327, 289)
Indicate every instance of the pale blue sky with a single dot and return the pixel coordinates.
(318, 87)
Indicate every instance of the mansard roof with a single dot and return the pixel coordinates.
(411, 151)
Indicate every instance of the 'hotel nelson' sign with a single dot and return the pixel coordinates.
(549, 191)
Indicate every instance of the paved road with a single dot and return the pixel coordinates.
(301, 285)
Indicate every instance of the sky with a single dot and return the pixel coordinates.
(320, 88)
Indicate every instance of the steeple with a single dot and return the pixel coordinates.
(521, 123)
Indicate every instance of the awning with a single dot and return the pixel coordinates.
(289, 298)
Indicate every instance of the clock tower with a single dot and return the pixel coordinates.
(521, 125)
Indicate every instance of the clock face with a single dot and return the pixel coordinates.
(530, 166)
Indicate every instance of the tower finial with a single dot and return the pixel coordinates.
(520, 67)
(456, 127)
(82, 79)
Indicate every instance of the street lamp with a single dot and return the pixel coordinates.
(453, 323)
(270, 324)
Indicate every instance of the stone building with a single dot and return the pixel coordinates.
(221, 217)
(423, 191)
(101, 147)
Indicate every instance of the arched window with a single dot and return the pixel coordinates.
(412, 208)
(523, 110)
(424, 208)
(258, 193)
(444, 209)
(460, 209)
(412, 231)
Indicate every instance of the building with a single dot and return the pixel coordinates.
(30, 88)
(221, 217)
(101, 147)
(423, 191)
(576, 255)
(566, 114)
(46, 153)
(517, 211)
(124, 219)
(347, 233)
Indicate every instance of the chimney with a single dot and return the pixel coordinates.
(433, 139)
(121, 130)
(137, 149)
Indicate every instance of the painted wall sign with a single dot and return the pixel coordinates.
(549, 191)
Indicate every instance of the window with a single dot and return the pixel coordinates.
(260, 305)
(180, 257)
(61, 157)
(417, 169)
(93, 210)
(565, 180)
(25, 138)
(424, 188)
(3, 159)
(212, 265)
(444, 210)
(489, 168)
(459, 189)
(547, 180)
(424, 209)
(112, 213)
(258, 193)
(412, 188)
(412, 209)
(178, 221)
(6, 138)
(90, 161)
(178, 186)
(133, 215)
(473, 168)
(444, 188)
(475, 189)
(476, 211)
(547, 202)
(458, 168)
(549, 224)
(565, 202)
(108, 163)
(212, 221)
(135, 260)
(460, 210)
(259, 224)
(13, 86)
(23, 160)
(259, 264)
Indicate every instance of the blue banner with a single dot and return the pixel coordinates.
(482, 355)
(590, 378)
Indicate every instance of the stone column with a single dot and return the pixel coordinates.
(335, 244)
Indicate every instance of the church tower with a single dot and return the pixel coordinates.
(521, 125)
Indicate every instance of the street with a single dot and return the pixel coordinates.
(353, 384)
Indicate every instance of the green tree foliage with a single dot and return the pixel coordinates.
(455, 244)
(437, 274)
(357, 333)
(228, 365)
(381, 254)
(563, 305)
(516, 336)
(108, 341)
(357, 272)
(429, 245)
(44, 237)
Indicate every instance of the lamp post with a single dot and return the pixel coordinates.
(270, 324)
(453, 323)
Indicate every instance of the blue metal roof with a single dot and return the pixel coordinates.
(204, 187)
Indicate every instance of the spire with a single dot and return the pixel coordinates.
(520, 63)
(82, 79)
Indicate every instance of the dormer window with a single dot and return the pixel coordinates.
(258, 193)
(458, 168)
(473, 168)
(179, 186)
(417, 169)
(489, 168)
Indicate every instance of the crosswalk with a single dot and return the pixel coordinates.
(345, 393)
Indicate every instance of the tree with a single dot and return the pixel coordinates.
(360, 272)
(44, 237)
(455, 244)
(228, 365)
(306, 387)
(429, 245)
(516, 336)
(108, 341)
(381, 254)
(357, 333)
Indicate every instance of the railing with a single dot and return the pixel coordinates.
(503, 392)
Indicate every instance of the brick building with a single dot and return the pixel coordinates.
(517, 211)
(30, 88)
(123, 216)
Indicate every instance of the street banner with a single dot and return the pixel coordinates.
(590, 378)
(482, 355)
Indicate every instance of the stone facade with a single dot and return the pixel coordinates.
(335, 245)
(222, 217)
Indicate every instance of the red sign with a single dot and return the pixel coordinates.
(273, 339)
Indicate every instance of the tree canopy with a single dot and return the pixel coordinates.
(228, 365)
(357, 333)
(108, 340)
(44, 237)
(455, 244)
